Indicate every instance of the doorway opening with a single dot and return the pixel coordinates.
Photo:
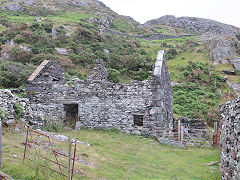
(71, 115)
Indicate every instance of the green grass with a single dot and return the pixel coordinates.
(163, 31)
(168, 30)
(123, 25)
(118, 155)
(2, 28)
(152, 47)
(68, 17)
(182, 60)
(60, 17)
(23, 19)
(17, 18)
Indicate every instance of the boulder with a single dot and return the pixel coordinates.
(38, 19)
(62, 51)
(12, 7)
(229, 72)
(106, 51)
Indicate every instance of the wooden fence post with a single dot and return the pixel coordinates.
(215, 134)
(182, 134)
(1, 157)
(69, 157)
(179, 130)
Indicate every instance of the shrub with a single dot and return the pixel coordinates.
(113, 75)
(19, 55)
(188, 101)
(39, 58)
(41, 43)
(48, 27)
(52, 126)
(3, 114)
(14, 75)
(146, 35)
(2, 40)
(18, 110)
(171, 53)
(19, 40)
(34, 26)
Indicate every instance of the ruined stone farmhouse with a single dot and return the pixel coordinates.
(136, 107)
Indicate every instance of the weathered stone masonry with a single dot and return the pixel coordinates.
(136, 107)
(230, 140)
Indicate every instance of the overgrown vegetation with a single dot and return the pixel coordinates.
(85, 46)
(18, 110)
(14, 74)
(52, 126)
(3, 114)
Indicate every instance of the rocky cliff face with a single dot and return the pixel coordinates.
(14, 5)
(196, 25)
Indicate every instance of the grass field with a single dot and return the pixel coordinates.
(117, 155)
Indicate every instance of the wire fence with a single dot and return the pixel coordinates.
(54, 158)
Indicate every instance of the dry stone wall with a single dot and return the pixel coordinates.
(7, 101)
(230, 140)
(102, 104)
(33, 114)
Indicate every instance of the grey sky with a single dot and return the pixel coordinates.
(225, 11)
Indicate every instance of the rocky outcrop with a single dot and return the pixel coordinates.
(104, 20)
(99, 3)
(16, 5)
(81, 3)
(222, 49)
(193, 24)
(230, 140)
(235, 87)
(62, 51)
(12, 7)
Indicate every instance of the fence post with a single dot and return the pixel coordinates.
(215, 135)
(182, 134)
(179, 130)
(74, 156)
(1, 157)
(69, 157)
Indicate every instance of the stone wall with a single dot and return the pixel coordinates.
(230, 140)
(33, 114)
(7, 101)
(102, 104)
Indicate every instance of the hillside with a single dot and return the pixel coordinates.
(78, 32)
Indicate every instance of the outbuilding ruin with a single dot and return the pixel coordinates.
(139, 107)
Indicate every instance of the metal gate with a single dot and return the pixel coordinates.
(50, 155)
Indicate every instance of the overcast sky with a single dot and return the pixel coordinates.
(225, 11)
